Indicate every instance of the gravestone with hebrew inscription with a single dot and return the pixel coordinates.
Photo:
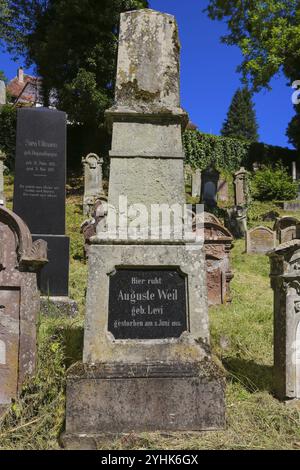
(20, 260)
(147, 364)
(260, 240)
(40, 195)
(285, 281)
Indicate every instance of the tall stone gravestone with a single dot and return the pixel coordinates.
(40, 191)
(240, 187)
(210, 182)
(2, 93)
(146, 363)
(20, 260)
(285, 281)
(93, 186)
(196, 183)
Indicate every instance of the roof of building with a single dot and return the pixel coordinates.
(26, 89)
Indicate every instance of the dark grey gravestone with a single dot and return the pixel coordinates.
(40, 189)
(147, 304)
(40, 170)
(53, 279)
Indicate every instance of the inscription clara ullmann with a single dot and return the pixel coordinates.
(147, 304)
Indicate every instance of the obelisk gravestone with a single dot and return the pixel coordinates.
(147, 364)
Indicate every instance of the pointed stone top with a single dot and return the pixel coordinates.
(148, 64)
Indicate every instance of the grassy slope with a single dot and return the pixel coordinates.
(241, 337)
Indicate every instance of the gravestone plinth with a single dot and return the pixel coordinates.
(147, 364)
(40, 191)
(285, 282)
(20, 260)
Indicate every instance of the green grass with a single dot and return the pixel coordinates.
(241, 335)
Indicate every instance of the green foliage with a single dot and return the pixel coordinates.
(74, 50)
(8, 122)
(203, 150)
(271, 184)
(268, 34)
(241, 120)
(227, 154)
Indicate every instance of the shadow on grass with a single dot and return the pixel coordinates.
(254, 377)
(73, 343)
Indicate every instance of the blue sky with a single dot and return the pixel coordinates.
(208, 74)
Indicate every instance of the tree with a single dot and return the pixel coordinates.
(73, 45)
(268, 34)
(241, 118)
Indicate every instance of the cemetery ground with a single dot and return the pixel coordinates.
(242, 336)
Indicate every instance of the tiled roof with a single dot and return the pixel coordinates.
(27, 91)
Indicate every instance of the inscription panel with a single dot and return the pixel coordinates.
(147, 304)
(40, 173)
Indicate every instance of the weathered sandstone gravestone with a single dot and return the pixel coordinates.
(285, 281)
(240, 187)
(147, 364)
(236, 221)
(40, 197)
(210, 182)
(2, 195)
(93, 186)
(260, 240)
(223, 190)
(285, 228)
(2, 93)
(20, 260)
(218, 244)
(196, 183)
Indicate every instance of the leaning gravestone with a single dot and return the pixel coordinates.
(285, 281)
(260, 240)
(147, 364)
(40, 195)
(20, 260)
(93, 185)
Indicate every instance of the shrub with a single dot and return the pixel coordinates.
(271, 184)
(8, 123)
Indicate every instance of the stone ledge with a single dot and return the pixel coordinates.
(192, 402)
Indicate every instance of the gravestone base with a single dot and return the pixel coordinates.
(146, 397)
(53, 280)
(293, 403)
(56, 306)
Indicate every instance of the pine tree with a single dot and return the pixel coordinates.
(241, 120)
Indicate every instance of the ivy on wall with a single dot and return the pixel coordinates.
(227, 154)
